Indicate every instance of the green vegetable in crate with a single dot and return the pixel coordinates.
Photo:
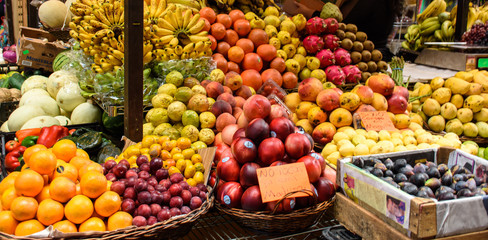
(89, 141)
(109, 150)
(113, 125)
(29, 141)
(13, 80)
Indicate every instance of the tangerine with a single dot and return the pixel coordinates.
(251, 78)
(108, 203)
(28, 227)
(64, 149)
(43, 162)
(65, 226)
(272, 74)
(24, 208)
(32, 149)
(252, 61)
(8, 181)
(66, 170)
(44, 194)
(82, 153)
(231, 37)
(50, 211)
(225, 20)
(7, 222)
(62, 189)
(119, 220)
(223, 48)
(246, 45)
(242, 27)
(183, 143)
(208, 13)
(7, 197)
(258, 37)
(221, 62)
(278, 64)
(79, 162)
(233, 67)
(207, 25)
(93, 224)
(235, 54)
(266, 51)
(29, 183)
(78, 209)
(213, 41)
(93, 184)
(93, 166)
(236, 14)
(218, 31)
(290, 80)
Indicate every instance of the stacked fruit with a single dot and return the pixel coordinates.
(55, 184)
(256, 6)
(171, 31)
(157, 179)
(461, 100)
(262, 143)
(320, 109)
(181, 108)
(433, 29)
(348, 142)
(240, 49)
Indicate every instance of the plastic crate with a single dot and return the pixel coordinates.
(338, 232)
(6, 108)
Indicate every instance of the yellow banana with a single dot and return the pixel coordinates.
(101, 17)
(184, 55)
(171, 18)
(158, 52)
(173, 43)
(193, 20)
(168, 39)
(147, 58)
(188, 3)
(178, 50)
(152, 8)
(162, 23)
(199, 46)
(195, 38)
(174, 56)
(179, 17)
(117, 54)
(160, 32)
(114, 61)
(189, 47)
(197, 27)
(186, 18)
(120, 46)
(168, 51)
(161, 7)
(106, 67)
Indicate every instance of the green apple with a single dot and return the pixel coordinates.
(481, 152)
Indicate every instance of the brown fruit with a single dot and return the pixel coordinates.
(366, 55)
(363, 66)
(346, 43)
(351, 28)
(368, 45)
(376, 55)
(341, 34)
(351, 36)
(356, 57)
(372, 67)
(361, 36)
(357, 46)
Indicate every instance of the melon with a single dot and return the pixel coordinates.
(57, 80)
(54, 14)
(69, 97)
(32, 93)
(23, 114)
(86, 113)
(60, 60)
(40, 122)
(46, 103)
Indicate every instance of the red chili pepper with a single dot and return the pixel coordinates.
(12, 158)
(71, 131)
(11, 145)
(50, 135)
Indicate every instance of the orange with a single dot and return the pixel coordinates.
(233, 67)
(154, 150)
(30, 150)
(188, 153)
(65, 226)
(224, 19)
(218, 31)
(278, 64)
(93, 166)
(62, 189)
(213, 41)
(29, 183)
(8, 181)
(196, 158)
(8, 222)
(147, 141)
(43, 162)
(251, 78)
(46, 178)
(252, 61)
(258, 37)
(109, 184)
(64, 149)
(108, 203)
(235, 54)
(119, 220)
(79, 162)
(266, 51)
(236, 14)
(81, 153)
(272, 74)
(169, 145)
(242, 27)
(231, 37)
(246, 45)
(93, 184)
(78, 189)
(221, 62)
(28, 227)
(49, 212)
(44, 194)
(223, 48)
(93, 224)
(66, 170)
(24, 208)
(290, 80)
(208, 13)
(165, 154)
(207, 25)
(163, 139)
(175, 151)
(78, 209)
(8, 196)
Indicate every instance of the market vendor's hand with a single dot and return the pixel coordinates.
(293, 8)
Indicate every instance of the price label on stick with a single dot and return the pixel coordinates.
(275, 182)
(377, 121)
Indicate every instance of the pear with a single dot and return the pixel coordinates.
(437, 123)
(288, 26)
(482, 115)
(271, 11)
(272, 20)
(470, 129)
(448, 111)
(465, 115)
(454, 126)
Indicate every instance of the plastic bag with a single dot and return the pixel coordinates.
(198, 68)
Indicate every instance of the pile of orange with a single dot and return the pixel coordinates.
(62, 187)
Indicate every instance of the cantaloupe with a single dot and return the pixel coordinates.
(54, 14)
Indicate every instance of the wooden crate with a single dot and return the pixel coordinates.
(366, 224)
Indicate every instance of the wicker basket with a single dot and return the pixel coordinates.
(173, 228)
(479, 140)
(270, 222)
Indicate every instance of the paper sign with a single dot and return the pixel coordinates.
(275, 182)
(377, 121)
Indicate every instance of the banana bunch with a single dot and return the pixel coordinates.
(178, 35)
(429, 26)
(476, 13)
(446, 33)
(433, 9)
(256, 6)
(413, 39)
(98, 25)
(194, 5)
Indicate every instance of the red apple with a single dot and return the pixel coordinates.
(303, 202)
(287, 205)
(325, 189)
(281, 127)
(297, 145)
(230, 194)
(320, 159)
(241, 132)
(244, 150)
(402, 91)
(219, 150)
(278, 163)
(251, 199)
(313, 168)
(271, 150)
(228, 169)
(257, 130)
(397, 104)
(330, 174)
(248, 176)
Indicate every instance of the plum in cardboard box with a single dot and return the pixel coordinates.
(37, 48)
(414, 216)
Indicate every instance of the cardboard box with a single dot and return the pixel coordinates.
(422, 217)
(37, 48)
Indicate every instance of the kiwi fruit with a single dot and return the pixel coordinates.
(356, 57)
(361, 36)
(372, 67)
(365, 75)
(357, 46)
(351, 36)
(340, 34)
(376, 55)
(366, 55)
(363, 66)
(346, 44)
(382, 65)
(368, 45)
(342, 26)
(351, 28)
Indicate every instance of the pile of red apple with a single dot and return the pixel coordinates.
(266, 141)
(149, 193)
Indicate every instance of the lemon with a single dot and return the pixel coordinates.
(188, 153)
(196, 158)
(191, 182)
(361, 149)
(178, 156)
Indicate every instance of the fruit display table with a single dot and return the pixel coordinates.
(422, 73)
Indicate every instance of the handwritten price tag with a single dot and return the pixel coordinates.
(275, 182)
(377, 121)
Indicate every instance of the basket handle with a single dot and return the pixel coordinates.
(306, 191)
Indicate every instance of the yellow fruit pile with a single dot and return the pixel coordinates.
(179, 156)
(61, 187)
